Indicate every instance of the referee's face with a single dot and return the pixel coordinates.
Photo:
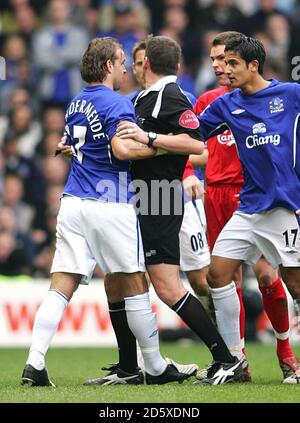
(119, 69)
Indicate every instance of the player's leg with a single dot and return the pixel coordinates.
(281, 247)
(46, 321)
(276, 307)
(125, 339)
(72, 264)
(220, 204)
(233, 246)
(226, 301)
(194, 250)
(117, 248)
(170, 289)
(291, 277)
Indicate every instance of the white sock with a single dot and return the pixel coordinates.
(45, 325)
(227, 309)
(142, 323)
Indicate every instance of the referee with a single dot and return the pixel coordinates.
(163, 109)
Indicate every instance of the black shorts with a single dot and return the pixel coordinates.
(160, 236)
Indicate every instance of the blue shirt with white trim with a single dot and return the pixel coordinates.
(266, 127)
(91, 121)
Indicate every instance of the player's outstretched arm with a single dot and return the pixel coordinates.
(178, 144)
(128, 149)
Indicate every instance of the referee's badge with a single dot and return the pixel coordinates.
(188, 119)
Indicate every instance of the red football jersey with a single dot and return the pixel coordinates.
(223, 165)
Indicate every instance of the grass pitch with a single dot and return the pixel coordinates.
(69, 368)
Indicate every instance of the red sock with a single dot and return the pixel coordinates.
(242, 318)
(276, 307)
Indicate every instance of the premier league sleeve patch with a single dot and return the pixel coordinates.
(188, 119)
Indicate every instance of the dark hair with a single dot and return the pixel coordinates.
(141, 45)
(93, 66)
(249, 49)
(223, 38)
(163, 54)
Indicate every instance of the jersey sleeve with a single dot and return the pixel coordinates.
(188, 171)
(178, 112)
(121, 109)
(212, 121)
(200, 105)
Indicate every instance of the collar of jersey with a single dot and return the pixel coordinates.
(161, 83)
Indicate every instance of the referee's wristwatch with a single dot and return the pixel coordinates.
(151, 138)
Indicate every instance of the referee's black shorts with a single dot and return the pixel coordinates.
(160, 236)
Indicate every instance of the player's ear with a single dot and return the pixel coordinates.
(146, 63)
(178, 68)
(254, 65)
(109, 66)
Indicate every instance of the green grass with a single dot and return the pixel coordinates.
(70, 367)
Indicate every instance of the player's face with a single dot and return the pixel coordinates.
(237, 70)
(217, 56)
(138, 68)
(119, 69)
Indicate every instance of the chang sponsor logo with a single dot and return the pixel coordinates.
(256, 140)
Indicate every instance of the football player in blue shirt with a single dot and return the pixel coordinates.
(96, 222)
(264, 117)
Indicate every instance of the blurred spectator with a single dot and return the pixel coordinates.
(158, 8)
(26, 129)
(13, 193)
(85, 13)
(206, 79)
(125, 28)
(57, 50)
(278, 31)
(18, 69)
(221, 14)
(49, 144)
(27, 22)
(30, 173)
(55, 170)
(106, 15)
(13, 257)
(257, 22)
(23, 244)
(176, 26)
(54, 120)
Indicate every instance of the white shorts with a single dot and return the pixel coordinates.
(274, 233)
(90, 231)
(194, 250)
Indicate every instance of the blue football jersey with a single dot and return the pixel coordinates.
(266, 127)
(91, 121)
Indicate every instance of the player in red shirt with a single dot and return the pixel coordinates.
(224, 181)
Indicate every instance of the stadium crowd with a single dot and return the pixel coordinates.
(42, 43)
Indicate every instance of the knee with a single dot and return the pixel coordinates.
(217, 279)
(265, 278)
(167, 295)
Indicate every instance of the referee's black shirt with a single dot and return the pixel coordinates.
(164, 109)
